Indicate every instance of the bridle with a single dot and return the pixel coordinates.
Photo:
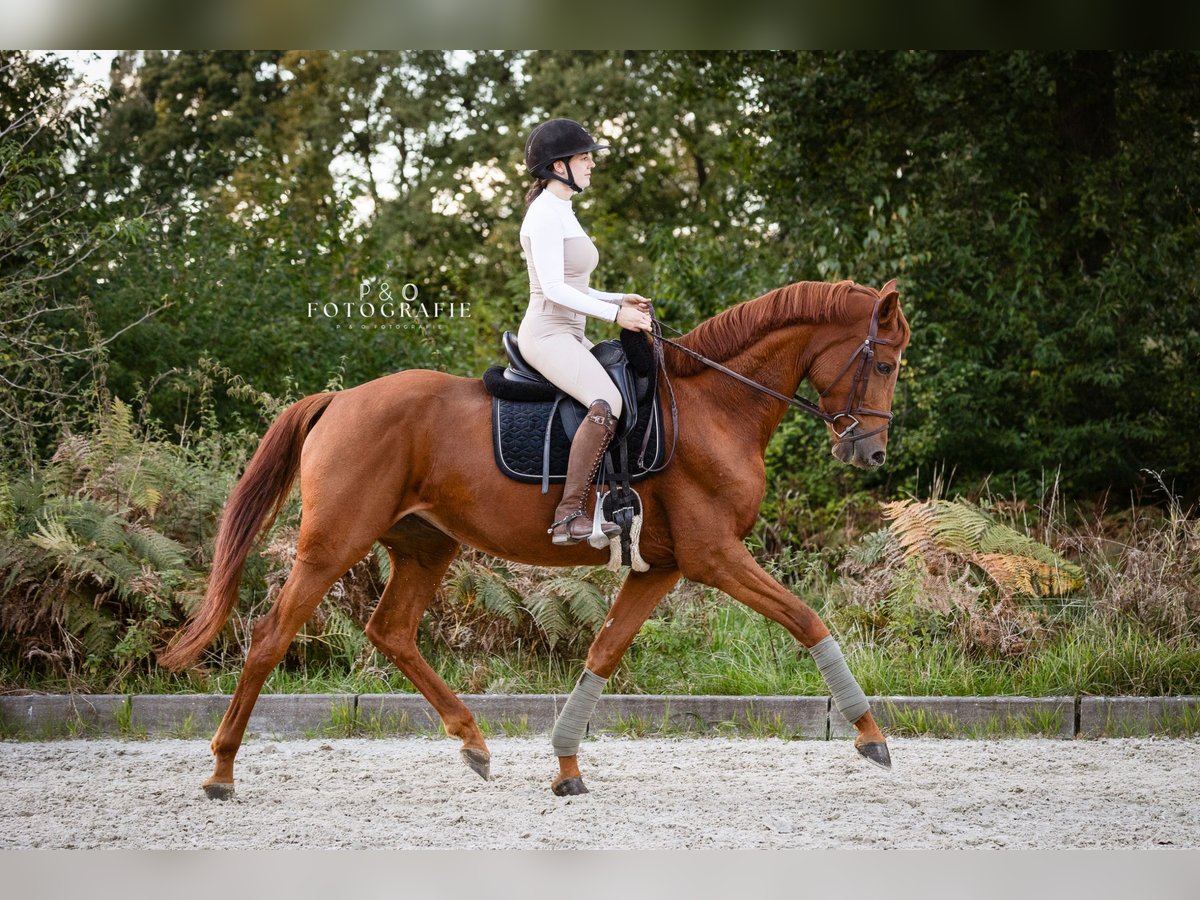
(864, 356)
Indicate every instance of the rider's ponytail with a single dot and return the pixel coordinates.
(539, 185)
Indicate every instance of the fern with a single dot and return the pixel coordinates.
(147, 498)
(62, 474)
(95, 630)
(910, 581)
(383, 562)
(871, 549)
(346, 641)
(1035, 569)
(8, 511)
(549, 613)
(159, 551)
(99, 527)
(115, 437)
(497, 597)
(912, 526)
(54, 537)
(1016, 563)
(959, 525)
(462, 583)
(584, 600)
(106, 533)
(28, 497)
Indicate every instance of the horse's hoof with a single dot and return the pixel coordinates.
(479, 761)
(569, 787)
(876, 752)
(219, 790)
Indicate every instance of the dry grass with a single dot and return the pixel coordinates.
(1143, 564)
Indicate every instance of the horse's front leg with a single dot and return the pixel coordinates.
(637, 598)
(731, 568)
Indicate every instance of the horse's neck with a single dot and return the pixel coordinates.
(778, 361)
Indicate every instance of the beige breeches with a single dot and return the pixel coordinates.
(556, 346)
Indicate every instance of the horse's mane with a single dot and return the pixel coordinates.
(730, 332)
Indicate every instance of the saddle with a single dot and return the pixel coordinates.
(533, 422)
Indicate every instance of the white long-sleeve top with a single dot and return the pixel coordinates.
(560, 257)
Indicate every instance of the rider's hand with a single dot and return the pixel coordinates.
(632, 317)
(637, 301)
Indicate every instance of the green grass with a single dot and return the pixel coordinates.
(185, 730)
(375, 725)
(642, 726)
(922, 723)
(763, 727)
(342, 721)
(515, 728)
(712, 646)
(1186, 723)
(127, 729)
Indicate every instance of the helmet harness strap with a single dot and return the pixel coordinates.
(569, 181)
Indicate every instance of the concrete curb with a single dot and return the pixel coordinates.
(64, 715)
(275, 715)
(980, 717)
(1138, 716)
(47, 716)
(806, 717)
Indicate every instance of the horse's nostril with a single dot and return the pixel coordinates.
(878, 457)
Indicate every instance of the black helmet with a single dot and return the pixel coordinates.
(554, 140)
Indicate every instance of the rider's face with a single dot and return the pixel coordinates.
(581, 167)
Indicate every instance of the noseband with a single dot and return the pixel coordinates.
(864, 356)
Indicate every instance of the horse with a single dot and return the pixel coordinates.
(406, 460)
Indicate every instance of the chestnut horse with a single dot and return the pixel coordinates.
(406, 460)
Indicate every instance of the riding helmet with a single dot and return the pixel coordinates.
(557, 139)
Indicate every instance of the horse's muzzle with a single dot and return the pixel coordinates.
(867, 453)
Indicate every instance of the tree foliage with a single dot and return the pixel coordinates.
(1039, 210)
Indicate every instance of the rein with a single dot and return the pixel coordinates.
(858, 385)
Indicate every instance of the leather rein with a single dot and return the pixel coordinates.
(864, 356)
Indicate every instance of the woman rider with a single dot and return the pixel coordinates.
(560, 256)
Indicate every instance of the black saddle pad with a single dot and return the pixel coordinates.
(521, 412)
(519, 433)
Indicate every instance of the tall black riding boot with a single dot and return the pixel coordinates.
(572, 523)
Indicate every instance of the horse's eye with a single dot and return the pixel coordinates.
(883, 368)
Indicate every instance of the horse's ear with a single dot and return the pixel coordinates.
(890, 307)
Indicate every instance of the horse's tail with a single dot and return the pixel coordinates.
(252, 508)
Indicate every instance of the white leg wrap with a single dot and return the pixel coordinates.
(848, 697)
(572, 721)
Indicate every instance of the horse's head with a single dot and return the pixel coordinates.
(855, 370)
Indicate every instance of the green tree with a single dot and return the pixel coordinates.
(1040, 210)
(50, 343)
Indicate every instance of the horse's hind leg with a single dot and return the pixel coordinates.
(637, 598)
(304, 589)
(420, 556)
